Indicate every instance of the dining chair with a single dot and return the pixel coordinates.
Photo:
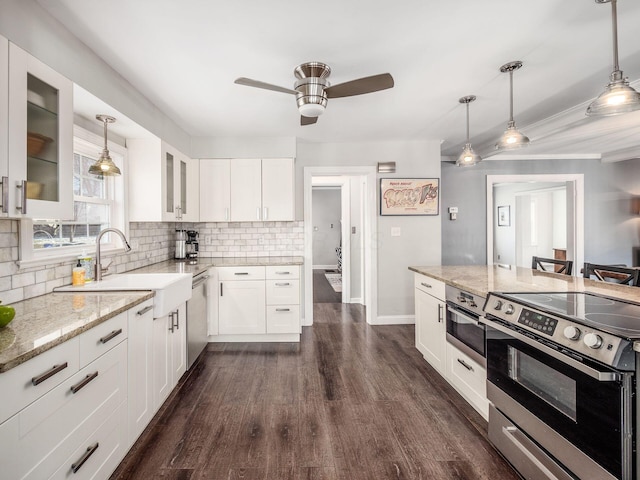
(612, 273)
(559, 266)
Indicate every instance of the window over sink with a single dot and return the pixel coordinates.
(99, 202)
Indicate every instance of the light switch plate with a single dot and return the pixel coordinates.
(453, 209)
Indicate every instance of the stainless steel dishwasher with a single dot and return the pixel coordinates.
(197, 332)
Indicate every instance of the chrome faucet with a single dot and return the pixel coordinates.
(127, 248)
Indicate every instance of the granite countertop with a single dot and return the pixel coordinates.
(43, 322)
(482, 279)
(203, 263)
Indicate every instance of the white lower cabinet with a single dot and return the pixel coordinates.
(43, 438)
(169, 358)
(430, 321)
(257, 300)
(469, 379)
(140, 356)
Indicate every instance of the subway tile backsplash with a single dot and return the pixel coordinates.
(152, 243)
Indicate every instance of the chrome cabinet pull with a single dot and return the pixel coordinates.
(220, 288)
(425, 285)
(283, 273)
(465, 364)
(49, 373)
(258, 213)
(84, 382)
(265, 212)
(5, 194)
(177, 320)
(440, 309)
(171, 322)
(241, 273)
(85, 456)
(111, 336)
(226, 214)
(144, 310)
(283, 284)
(283, 309)
(23, 203)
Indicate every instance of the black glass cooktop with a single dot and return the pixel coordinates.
(614, 316)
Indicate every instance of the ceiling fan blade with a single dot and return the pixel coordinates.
(267, 86)
(307, 120)
(360, 86)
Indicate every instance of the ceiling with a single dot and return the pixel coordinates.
(184, 57)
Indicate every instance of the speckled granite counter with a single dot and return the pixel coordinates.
(43, 322)
(203, 263)
(481, 279)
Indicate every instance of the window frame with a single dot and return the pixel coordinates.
(89, 144)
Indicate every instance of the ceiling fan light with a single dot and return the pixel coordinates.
(512, 138)
(311, 109)
(618, 97)
(468, 157)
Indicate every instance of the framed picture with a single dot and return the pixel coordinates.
(504, 216)
(409, 196)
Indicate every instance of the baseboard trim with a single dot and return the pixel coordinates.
(395, 320)
(272, 337)
(357, 300)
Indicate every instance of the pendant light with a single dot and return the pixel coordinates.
(468, 157)
(104, 165)
(512, 138)
(618, 97)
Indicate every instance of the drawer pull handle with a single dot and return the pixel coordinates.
(283, 284)
(241, 273)
(49, 373)
(465, 365)
(85, 456)
(425, 285)
(283, 273)
(144, 310)
(84, 382)
(283, 309)
(111, 336)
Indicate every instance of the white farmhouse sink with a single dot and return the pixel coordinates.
(171, 289)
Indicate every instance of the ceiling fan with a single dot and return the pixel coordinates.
(312, 89)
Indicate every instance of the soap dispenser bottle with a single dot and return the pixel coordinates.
(77, 275)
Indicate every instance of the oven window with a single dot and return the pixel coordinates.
(548, 384)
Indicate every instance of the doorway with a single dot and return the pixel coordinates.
(540, 215)
(357, 244)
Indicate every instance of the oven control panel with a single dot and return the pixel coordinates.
(562, 332)
(542, 323)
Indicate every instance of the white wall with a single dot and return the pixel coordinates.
(420, 240)
(326, 225)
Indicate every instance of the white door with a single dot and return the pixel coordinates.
(215, 190)
(161, 358)
(246, 190)
(430, 329)
(241, 307)
(189, 171)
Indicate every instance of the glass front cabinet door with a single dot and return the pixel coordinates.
(39, 175)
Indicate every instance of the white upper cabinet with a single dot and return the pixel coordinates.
(4, 113)
(246, 190)
(39, 175)
(163, 184)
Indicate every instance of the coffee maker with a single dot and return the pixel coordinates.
(192, 244)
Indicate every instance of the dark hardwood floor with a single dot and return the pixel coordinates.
(322, 290)
(350, 402)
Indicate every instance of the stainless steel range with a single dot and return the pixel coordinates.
(561, 379)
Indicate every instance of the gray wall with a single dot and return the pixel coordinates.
(612, 201)
(419, 242)
(326, 225)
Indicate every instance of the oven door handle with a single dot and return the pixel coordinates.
(592, 372)
(455, 311)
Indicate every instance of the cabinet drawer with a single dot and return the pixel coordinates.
(241, 273)
(429, 285)
(283, 292)
(283, 319)
(102, 338)
(47, 370)
(278, 272)
(40, 437)
(469, 378)
(99, 454)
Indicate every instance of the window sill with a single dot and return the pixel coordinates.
(65, 257)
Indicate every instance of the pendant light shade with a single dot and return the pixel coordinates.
(104, 165)
(468, 157)
(618, 97)
(512, 138)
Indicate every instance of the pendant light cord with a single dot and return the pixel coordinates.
(614, 21)
(511, 95)
(105, 134)
(468, 140)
